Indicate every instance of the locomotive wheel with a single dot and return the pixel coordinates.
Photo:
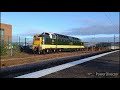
(39, 52)
(48, 51)
(44, 52)
(54, 50)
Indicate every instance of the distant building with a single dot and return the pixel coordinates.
(5, 33)
(115, 45)
(110, 45)
(90, 44)
(103, 44)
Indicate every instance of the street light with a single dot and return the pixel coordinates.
(114, 41)
(93, 42)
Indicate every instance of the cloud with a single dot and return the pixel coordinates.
(31, 32)
(88, 20)
(28, 34)
(91, 30)
(102, 39)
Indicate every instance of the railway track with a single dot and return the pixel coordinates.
(15, 71)
(35, 58)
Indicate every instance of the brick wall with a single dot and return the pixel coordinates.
(7, 32)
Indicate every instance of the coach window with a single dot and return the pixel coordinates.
(82, 43)
(53, 36)
(37, 39)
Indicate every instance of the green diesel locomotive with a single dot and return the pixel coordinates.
(53, 42)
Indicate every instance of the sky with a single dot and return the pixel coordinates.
(84, 25)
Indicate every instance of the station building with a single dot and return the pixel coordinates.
(5, 33)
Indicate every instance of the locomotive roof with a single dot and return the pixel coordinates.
(67, 36)
(60, 35)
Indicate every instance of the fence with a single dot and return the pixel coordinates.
(10, 45)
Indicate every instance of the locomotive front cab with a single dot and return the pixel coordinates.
(37, 42)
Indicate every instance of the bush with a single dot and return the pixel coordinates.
(3, 50)
(16, 47)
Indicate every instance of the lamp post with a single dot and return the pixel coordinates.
(93, 40)
(19, 40)
(25, 41)
(92, 44)
(114, 41)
